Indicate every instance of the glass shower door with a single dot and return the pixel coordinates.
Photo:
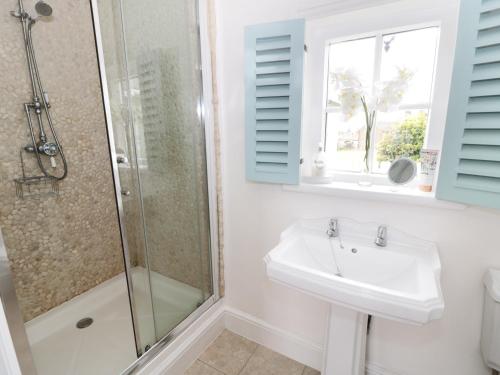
(154, 83)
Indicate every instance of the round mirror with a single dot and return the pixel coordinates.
(402, 171)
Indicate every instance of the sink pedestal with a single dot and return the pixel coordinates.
(345, 348)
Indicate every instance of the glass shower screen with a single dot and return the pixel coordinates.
(151, 52)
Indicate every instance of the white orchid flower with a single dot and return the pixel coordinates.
(392, 92)
(384, 97)
(350, 92)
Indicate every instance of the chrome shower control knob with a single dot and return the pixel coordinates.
(49, 149)
(333, 228)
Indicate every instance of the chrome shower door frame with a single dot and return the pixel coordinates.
(207, 121)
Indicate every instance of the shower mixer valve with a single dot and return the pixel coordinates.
(47, 148)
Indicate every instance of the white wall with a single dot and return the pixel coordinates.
(255, 214)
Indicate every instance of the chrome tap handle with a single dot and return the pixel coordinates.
(333, 228)
(381, 239)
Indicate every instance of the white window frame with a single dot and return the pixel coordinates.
(395, 17)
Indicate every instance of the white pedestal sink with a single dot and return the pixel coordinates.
(400, 281)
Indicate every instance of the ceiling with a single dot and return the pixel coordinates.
(314, 8)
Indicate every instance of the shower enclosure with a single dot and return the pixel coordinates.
(105, 281)
(152, 78)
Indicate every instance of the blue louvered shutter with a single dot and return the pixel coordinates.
(470, 164)
(274, 55)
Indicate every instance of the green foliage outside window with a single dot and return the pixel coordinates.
(405, 139)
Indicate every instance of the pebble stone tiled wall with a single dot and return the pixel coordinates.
(58, 247)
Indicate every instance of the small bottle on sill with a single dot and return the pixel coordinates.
(319, 170)
(319, 163)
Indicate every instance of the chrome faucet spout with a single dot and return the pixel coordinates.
(381, 239)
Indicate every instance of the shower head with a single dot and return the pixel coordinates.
(43, 9)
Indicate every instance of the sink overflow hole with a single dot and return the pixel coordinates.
(354, 251)
(84, 323)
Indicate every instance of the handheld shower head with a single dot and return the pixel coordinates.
(43, 9)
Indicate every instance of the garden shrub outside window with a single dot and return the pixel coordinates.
(398, 132)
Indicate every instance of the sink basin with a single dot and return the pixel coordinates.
(400, 281)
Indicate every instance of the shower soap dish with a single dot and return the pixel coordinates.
(36, 187)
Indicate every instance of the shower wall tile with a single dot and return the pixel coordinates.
(59, 247)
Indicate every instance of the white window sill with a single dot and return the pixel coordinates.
(391, 194)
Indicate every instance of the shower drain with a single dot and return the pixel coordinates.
(84, 323)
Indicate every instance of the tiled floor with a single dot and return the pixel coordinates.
(231, 354)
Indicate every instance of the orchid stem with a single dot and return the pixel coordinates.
(370, 121)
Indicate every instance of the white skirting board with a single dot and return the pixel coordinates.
(179, 356)
(274, 338)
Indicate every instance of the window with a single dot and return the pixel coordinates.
(398, 132)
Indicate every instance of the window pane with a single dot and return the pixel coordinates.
(414, 50)
(345, 139)
(345, 142)
(397, 134)
(356, 55)
(402, 133)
